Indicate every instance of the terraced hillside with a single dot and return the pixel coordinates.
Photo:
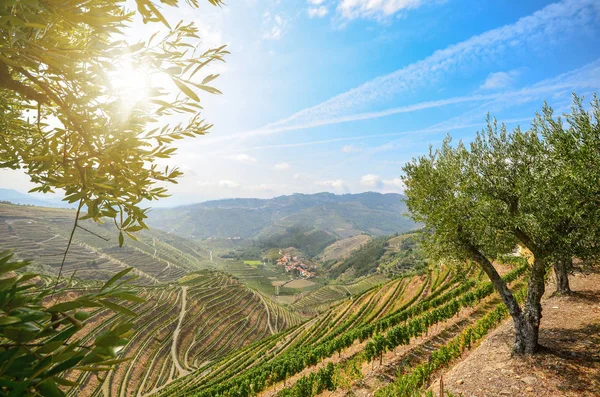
(41, 234)
(335, 349)
(323, 298)
(181, 328)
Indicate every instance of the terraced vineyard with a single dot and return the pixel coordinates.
(325, 297)
(41, 235)
(335, 349)
(181, 328)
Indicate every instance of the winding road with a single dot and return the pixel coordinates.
(181, 371)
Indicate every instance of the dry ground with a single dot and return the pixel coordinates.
(567, 365)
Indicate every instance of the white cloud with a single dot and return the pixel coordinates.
(376, 183)
(352, 9)
(339, 185)
(276, 25)
(394, 184)
(500, 80)
(223, 183)
(317, 12)
(548, 24)
(242, 158)
(228, 184)
(316, 2)
(264, 187)
(371, 181)
(350, 149)
(282, 166)
(300, 176)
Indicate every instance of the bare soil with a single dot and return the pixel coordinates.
(568, 363)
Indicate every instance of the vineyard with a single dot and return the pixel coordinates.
(419, 320)
(41, 235)
(182, 328)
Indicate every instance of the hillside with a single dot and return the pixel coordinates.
(568, 366)
(408, 319)
(385, 255)
(181, 328)
(41, 235)
(15, 197)
(339, 215)
(343, 248)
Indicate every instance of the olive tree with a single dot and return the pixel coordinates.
(73, 129)
(507, 188)
(69, 125)
(574, 148)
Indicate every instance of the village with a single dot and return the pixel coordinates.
(296, 265)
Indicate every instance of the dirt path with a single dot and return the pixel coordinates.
(568, 365)
(273, 332)
(181, 371)
(51, 238)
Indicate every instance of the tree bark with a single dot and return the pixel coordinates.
(523, 330)
(561, 270)
(528, 325)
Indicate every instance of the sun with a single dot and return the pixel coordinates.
(130, 83)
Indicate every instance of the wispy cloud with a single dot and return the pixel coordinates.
(586, 77)
(223, 183)
(552, 22)
(317, 12)
(282, 166)
(350, 149)
(500, 80)
(353, 9)
(275, 26)
(242, 158)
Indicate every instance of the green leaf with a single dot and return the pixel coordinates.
(118, 308)
(121, 239)
(115, 278)
(6, 320)
(48, 388)
(129, 297)
(186, 90)
(174, 70)
(209, 78)
(65, 306)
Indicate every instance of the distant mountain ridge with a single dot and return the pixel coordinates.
(340, 215)
(16, 197)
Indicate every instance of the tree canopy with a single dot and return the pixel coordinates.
(68, 123)
(86, 111)
(536, 188)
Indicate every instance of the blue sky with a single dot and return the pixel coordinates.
(336, 95)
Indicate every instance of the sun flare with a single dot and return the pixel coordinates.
(130, 84)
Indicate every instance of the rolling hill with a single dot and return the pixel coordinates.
(15, 197)
(339, 215)
(41, 234)
(415, 324)
(181, 328)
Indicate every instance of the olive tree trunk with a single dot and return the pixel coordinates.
(526, 320)
(562, 266)
(527, 326)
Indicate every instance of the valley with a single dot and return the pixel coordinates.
(202, 301)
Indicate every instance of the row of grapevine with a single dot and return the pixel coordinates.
(275, 369)
(416, 327)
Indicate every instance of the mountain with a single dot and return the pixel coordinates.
(15, 197)
(339, 215)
